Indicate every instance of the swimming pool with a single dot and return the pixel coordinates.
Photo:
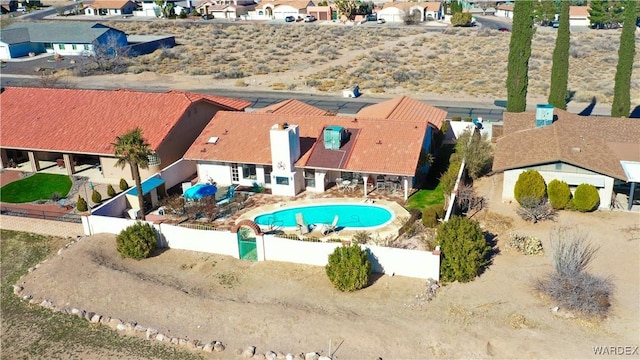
(349, 215)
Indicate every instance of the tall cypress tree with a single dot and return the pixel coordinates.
(622, 88)
(519, 54)
(560, 67)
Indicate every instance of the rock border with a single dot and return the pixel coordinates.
(150, 333)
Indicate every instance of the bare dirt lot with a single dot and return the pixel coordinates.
(294, 308)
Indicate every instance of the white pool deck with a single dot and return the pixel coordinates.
(390, 229)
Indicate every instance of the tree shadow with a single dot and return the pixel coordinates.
(571, 94)
(635, 113)
(589, 109)
(492, 242)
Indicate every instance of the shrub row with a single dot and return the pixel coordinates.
(531, 187)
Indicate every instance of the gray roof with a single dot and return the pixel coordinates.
(14, 36)
(78, 32)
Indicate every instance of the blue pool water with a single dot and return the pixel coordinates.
(349, 215)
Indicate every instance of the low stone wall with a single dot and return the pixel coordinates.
(150, 333)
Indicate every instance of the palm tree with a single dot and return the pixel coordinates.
(132, 149)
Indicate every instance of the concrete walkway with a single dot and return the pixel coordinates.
(40, 226)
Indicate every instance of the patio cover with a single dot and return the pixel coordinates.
(147, 186)
(632, 170)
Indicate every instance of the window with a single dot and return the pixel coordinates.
(282, 180)
(249, 171)
(61, 46)
(235, 177)
(48, 46)
(267, 174)
(310, 178)
(74, 47)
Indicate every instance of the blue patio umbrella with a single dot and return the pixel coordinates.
(200, 191)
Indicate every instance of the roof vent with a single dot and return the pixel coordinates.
(334, 137)
(213, 140)
(544, 115)
(575, 149)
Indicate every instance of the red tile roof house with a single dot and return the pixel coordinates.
(604, 152)
(291, 146)
(110, 7)
(73, 126)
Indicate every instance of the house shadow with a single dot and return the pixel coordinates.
(589, 109)
(635, 113)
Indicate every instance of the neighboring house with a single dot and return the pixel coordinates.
(323, 12)
(504, 10)
(149, 8)
(604, 152)
(281, 9)
(291, 146)
(398, 11)
(110, 7)
(226, 9)
(579, 16)
(79, 126)
(64, 38)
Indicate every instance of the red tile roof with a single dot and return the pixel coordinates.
(292, 107)
(87, 121)
(404, 108)
(594, 143)
(381, 146)
(109, 4)
(579, 11)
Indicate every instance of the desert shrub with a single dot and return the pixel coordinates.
(431, 214)
(530, 184)
(123, 184)
(559, 194)
(349, 268)
(240, 83)
(81, 205)
(111, 191)
(477, 152)
(137, 241)
(534, 210)
(586, 198)
(465, 252)
(55, 196)
(96, 197)
(361, 237)
(570, 285)
(527, 245)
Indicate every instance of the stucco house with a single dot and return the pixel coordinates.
(603, 152)
(110, 7)
(504, 10)
(64, 38)
(323, 12)
(291, 146)
(398, 11)
(72, 127)
(281, 9)
(579, 16)
(149, 8)
(226, 9)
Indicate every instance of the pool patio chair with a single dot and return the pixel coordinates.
(302, 226)
(326, 229)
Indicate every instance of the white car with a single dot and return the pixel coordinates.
(309, 18)
(381, 21)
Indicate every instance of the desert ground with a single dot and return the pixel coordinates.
(324, 58)
(293, 308)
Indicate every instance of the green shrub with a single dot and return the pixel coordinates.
(465, 251)
(96, 197)
(361, 237)
(82, 204)
(559, 194)
(349, 268)
(449, 177)
(111, 191)
(137, 241)
(123, 184)
(530, 184)
(586, 198)
(431, 215)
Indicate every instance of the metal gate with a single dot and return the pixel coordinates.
(247, 244)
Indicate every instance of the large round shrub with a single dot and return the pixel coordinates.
(530, 185)
(349, 268)
(559, 194)
(137, 241)
(465, 251)
(586, 198)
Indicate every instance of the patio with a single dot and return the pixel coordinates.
(90, 171)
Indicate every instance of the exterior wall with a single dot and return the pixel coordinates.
(219, 172)
(207, 241)
(175, 173)
(110, 171)
(603, 183)
(504, 13)
(113, 37)
(105, 224)
(391, 14)
(19, 50)
(114, 207)
(68, 49)
(579, 21)
(282, 11)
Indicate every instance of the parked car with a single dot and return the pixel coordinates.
(309, 18)
(207, 16)
(381, 21)
(372, 17)
(555, 24)
(504, 29)
(289, 19)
